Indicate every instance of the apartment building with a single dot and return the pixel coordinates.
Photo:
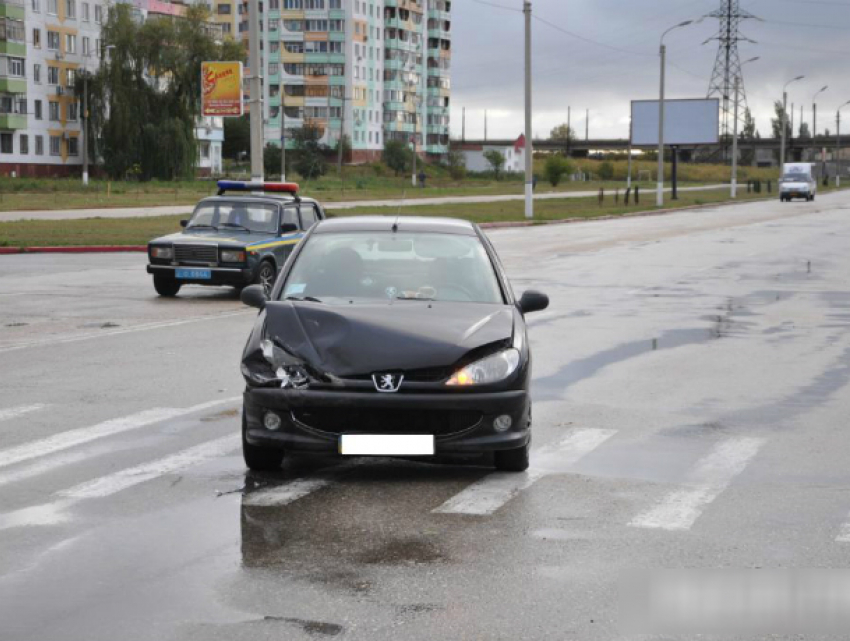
(373, 70)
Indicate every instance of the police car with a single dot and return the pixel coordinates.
(240, 237)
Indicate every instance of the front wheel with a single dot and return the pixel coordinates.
(265, 277)
(164, 286)
(257, 458)
(515, 460)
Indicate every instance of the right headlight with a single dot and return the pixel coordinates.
(277, 369)
(491, 369)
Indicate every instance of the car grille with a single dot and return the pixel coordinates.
(203, 254)
(347, 421)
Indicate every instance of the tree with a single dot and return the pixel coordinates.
(397, 156)
(749, 133)
(456, 162)
(776, 123)
(496, 161)
(145, 100)
(271, 159)
(563, 133)
(237, 137)
(309, 152)
(556, 168)
(804, 130)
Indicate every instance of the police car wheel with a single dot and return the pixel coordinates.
(164, 286)
(265, 276)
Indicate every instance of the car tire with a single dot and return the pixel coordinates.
(265, 276)
(257, 458)
(165, 286)
(812, 198)
(515, 460)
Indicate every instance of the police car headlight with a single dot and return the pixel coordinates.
(163, 253)
(232, 256)
(492, 369)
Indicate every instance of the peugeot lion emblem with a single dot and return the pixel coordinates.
(387, 382)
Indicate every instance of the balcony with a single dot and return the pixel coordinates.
(13, 121)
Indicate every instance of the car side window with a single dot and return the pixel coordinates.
(290, 217)
(308, 217)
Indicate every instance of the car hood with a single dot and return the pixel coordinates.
(213, 237)
(356, 340)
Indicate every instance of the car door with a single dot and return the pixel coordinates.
(288, 238)
(309, 216)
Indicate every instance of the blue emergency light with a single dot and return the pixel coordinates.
(241, 185)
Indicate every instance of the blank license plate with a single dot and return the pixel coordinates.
(194, 274)
(386, 445)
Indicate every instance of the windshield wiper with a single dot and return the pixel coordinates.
(308, 299)
(414, 298)
(235, 226)
(201, 226)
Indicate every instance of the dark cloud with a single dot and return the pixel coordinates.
(618, 60)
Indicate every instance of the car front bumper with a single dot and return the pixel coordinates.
(313, 420)
(236, 276)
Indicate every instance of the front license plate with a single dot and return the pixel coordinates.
(386, 445)
(194, 274)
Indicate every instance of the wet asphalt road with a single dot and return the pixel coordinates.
(691, 402)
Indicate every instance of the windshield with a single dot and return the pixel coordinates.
(335, 268)
(795, 178)
(235, 216)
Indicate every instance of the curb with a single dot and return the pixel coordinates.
(75, 249)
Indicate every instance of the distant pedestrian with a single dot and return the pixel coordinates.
(422, 177)
(534, 182)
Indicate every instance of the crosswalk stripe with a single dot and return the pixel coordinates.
(123, 479)
(495, 490)
(72, 438)
(680, 509)
(14, 412)
(291, 491)
(844, 535)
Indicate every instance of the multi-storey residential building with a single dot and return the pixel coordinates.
(373, 70)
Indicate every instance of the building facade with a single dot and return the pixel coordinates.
(371, 70)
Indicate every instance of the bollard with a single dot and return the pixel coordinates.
(626, 197)
(749, 186)
(601, 195)
(637, 195)
(617, 197)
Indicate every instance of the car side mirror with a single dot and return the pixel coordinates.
(532, 301)
(183, 223)
(254, 296)
(288, 228)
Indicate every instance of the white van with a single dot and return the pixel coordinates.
(798, 181)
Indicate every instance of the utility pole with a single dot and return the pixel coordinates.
(529, 147)
(282, 133)
(86, 126)
(629, 179)
(463, 126)
(734, 193)
(256, 91)
(485, 125)
(838, 148)
(587, 126)
(785, 123)
(569, 129)
(815, 112)
(659, 196)
(339, 143)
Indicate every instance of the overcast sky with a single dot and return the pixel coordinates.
(798, 37)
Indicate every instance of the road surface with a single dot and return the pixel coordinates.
(173, 210)
(691, 402)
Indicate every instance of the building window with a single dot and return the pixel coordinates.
(73, 108)
(224, 9)
(51, 7)
(36, 6)
(274, 68)
(6, 143)
(205, 150)
(52, 75)
(98, 13)
(36, 38)
(70, 43)
(36, 73)
(73, 146)
(39, 145)
(52, 40)
(16, 67)
(70, 76)
(55, 145)
(86, 12)
(86, 46)
(53, 109)
(38, 114)
(25, 144)
(70, 9)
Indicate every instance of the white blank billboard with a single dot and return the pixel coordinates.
(686, 122)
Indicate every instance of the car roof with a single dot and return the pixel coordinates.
(278, 199)
(419, 224)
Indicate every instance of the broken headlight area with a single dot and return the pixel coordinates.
(271, 366)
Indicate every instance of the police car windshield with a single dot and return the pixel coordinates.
(339, 267)
(235, 216)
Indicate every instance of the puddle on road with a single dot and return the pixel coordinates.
(402, 552)
(318, 628)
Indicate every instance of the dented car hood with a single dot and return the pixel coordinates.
(355, 340)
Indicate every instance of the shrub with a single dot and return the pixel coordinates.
(606, 170)
(556, 168)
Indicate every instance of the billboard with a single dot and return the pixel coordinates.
(221, 88)
(686, 122)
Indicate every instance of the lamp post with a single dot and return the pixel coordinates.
(734, 189)
(663, 53)
(815, 112)
(529, 147)
(838, 144)
(785, 122)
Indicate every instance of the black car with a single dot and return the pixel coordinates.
(390, 337)
(236, 238)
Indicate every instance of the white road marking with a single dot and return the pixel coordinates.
(121, 480)
(126, 330)
(49, 464)
(495, 490)
(72, 438)
(291, 491)
(14, 412)
(712, 474)
(844, 535)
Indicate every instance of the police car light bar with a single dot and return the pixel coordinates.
(241, 185)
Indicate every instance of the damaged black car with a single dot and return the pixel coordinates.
(389, 337)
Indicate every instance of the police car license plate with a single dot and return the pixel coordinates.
(386, 445)
(194, 274)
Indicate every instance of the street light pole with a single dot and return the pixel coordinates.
(282, 132)
(734, 191)
(255, 88)
(529, 148)
(785, 123)
(86, 126)
(659, 199)
(838, 144)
